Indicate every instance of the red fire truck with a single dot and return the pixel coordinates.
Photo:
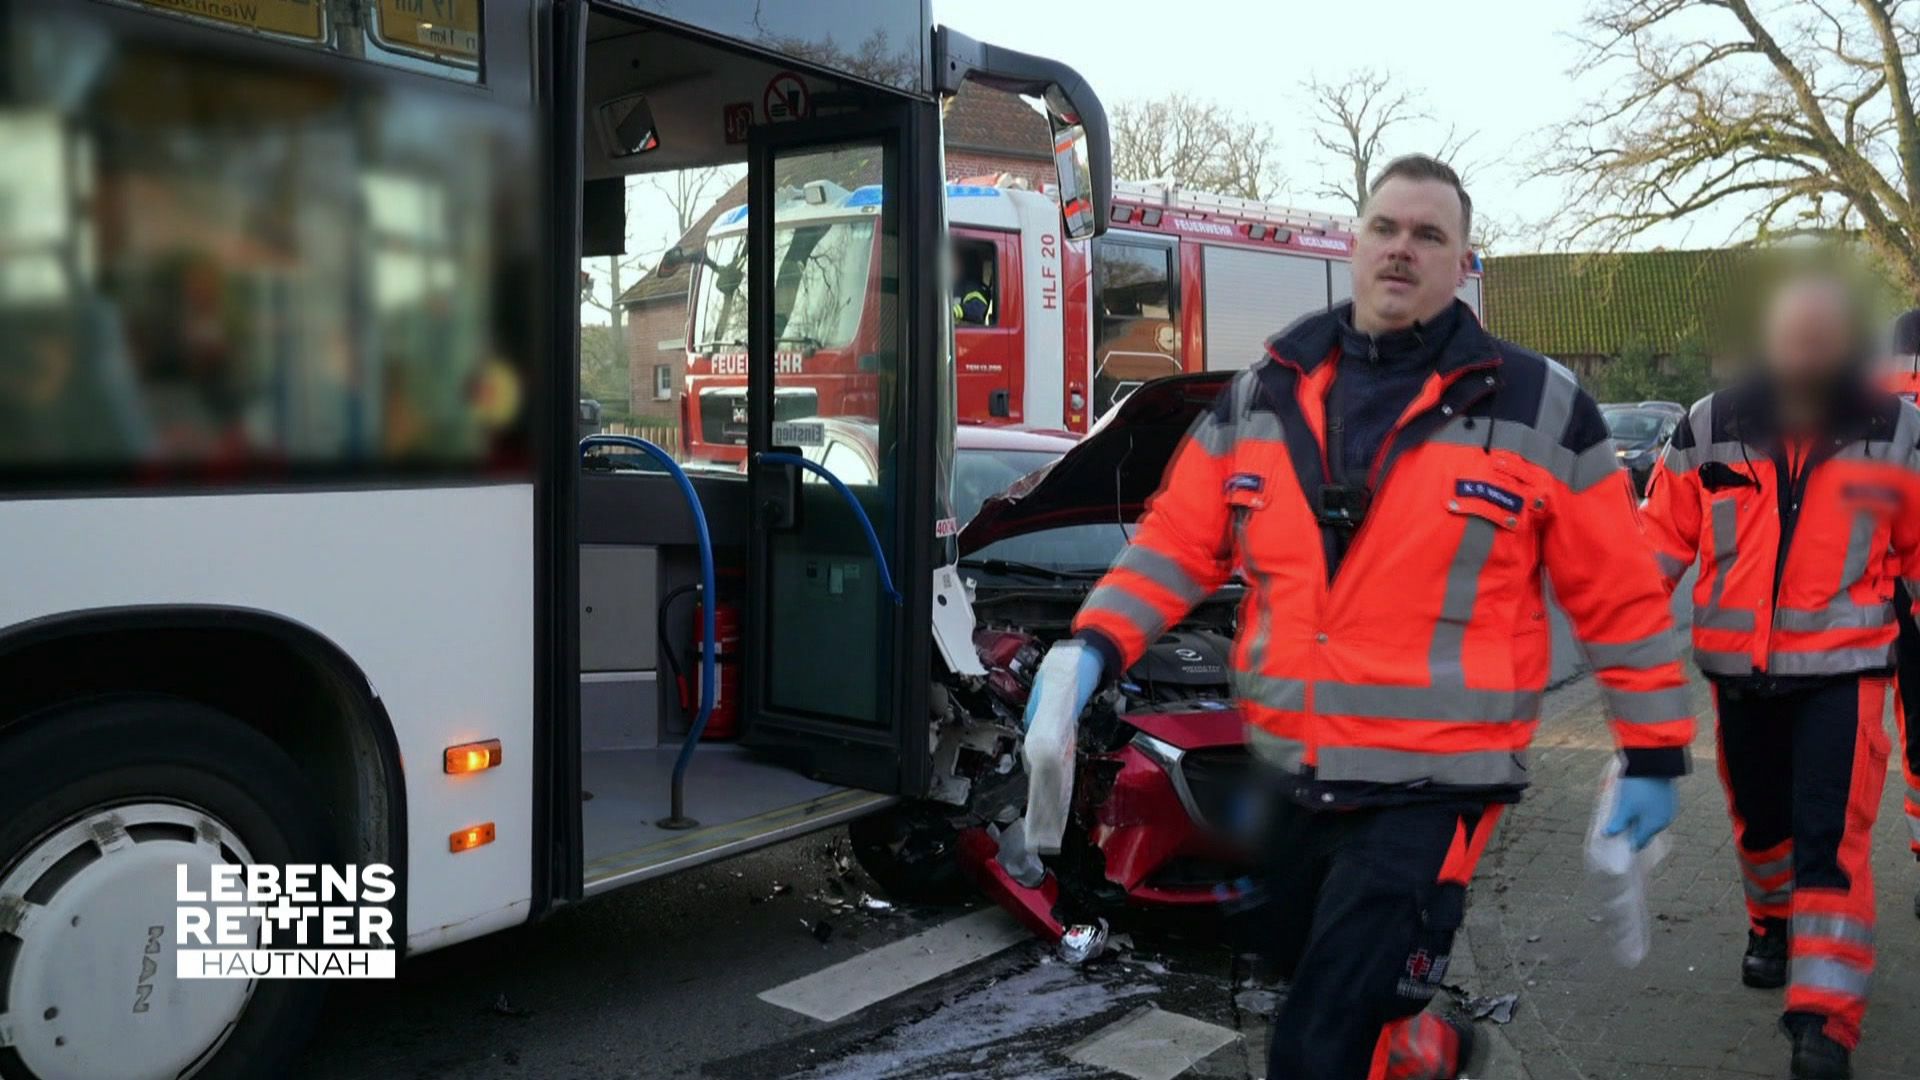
(1182, 281)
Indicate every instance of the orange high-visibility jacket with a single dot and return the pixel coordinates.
(1422, 661)
(1799, 545)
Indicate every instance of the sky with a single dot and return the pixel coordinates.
(1496, 66)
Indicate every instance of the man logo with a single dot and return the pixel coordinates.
(143, 989)
(1189, 655)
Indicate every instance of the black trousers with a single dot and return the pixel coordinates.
(1355, 913)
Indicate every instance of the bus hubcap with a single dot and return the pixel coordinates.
(91, 991)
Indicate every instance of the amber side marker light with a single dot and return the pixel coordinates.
(469, 838)
(472, 757)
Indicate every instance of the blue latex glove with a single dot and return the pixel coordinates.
(1644, 806)
(1075, 660)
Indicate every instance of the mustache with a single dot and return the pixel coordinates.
(1398, 268)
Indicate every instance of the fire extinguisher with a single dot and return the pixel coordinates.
(724, 721)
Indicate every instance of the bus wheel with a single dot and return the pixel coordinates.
(910, 852)
(99, 803)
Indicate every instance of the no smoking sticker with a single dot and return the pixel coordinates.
(786, 98)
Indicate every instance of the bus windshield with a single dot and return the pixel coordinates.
(820, 275)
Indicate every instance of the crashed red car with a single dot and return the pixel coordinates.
(1160, 760)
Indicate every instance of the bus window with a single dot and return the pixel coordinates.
(1136, 337)
(313, 287)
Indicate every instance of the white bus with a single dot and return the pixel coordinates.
(300, 562)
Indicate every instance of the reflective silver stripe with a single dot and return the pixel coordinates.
(1913, 586)
(1425, 703)
(1446, 656)
(1115, 600)
(1670, 566)
(1726, 452)
(1262, 425)
(1516, 438)
(1913, 828)
(1648, 652)
(1773, 868)
(1833, 928)
(1761, 895)
(1478, 768)
(1162, 571)
(1726, 541)
(1557, 396)
(1830, 974)
(1715, 617)
(1723, 663)
(1274, 749)
(1214, 435)
(1592, 466)
(1263, 613)
(1913, 797)
(1859, 550)
(1287, 694)
(1648, 706)
(1830, 661)
(1842, 614)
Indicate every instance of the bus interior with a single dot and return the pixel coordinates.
(782, 757)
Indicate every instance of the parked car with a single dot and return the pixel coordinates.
(1640, 432)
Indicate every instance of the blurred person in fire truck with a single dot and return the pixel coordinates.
(1391, 480)
(1798, 490)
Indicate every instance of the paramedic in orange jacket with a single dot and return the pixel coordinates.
(1901, 376)
(1799, 492)
(1390, 480)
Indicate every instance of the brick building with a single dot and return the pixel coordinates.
(988, 133)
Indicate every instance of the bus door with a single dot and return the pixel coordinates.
(837, 669)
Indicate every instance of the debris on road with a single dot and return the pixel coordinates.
(1498, 1008)
(875, 905)
(502, 1007)
(821, 929)
(1083, 942)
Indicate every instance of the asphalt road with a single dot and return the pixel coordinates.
(663, 980)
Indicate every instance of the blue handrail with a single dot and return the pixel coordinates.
(709, 599)
(775, 457)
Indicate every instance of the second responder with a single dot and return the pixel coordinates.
(1391, 480)
(1799, 492)
(972, 304)
(1901, 376)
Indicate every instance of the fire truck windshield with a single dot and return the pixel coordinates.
(820, 277)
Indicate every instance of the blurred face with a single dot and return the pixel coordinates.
(1810, 336)
(1410, 256)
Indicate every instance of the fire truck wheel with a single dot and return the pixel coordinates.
(910, 853)
(100, 802)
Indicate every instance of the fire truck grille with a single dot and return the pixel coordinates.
(723, 416)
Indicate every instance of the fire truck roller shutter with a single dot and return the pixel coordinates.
(1253, 295)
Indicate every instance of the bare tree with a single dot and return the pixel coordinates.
(1797, 119)
(1195, 143)
(1353, 122)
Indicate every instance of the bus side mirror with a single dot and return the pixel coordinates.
(1083, 148)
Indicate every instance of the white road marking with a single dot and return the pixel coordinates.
(1151, 1044)
(851, 985)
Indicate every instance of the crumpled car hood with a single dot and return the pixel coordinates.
(1111, 473)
